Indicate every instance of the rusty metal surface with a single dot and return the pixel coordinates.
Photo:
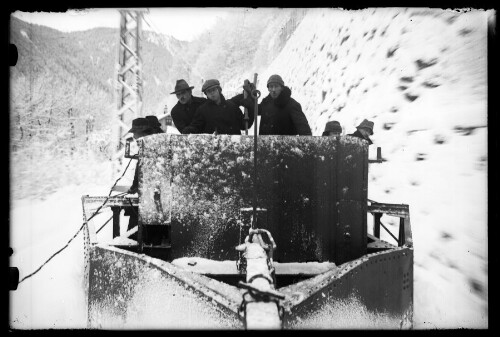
(399, 210)
(375, 291)
(202, 181)
(128, 290)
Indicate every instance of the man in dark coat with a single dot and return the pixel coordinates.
(218, 115)
(141, 127)
(280, 113)
(183, 112)
(364, 130)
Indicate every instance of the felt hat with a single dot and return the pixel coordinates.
(153, 121)
(181, 85)
(367, 125)
(209, 84)
(332, 126)
(139, 124)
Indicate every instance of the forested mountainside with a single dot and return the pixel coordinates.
(62, 80)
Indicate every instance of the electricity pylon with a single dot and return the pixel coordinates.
(129, 79)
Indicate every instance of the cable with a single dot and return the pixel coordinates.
(79, 230)
(104, 224)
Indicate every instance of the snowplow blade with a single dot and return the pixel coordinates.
(373, 292)
(134, 291)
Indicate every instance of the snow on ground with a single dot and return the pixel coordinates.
(420, 75)
(54, 297)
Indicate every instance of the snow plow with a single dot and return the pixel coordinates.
(295, 244)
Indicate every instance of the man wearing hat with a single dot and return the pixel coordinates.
(154, 123)
(218, 115)
(280, 113)
(333, 129)
(364, 130)
(183, 112)
(141, 127)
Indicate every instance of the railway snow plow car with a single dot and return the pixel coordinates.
(223, 244)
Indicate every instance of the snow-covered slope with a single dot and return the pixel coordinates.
(421, 76)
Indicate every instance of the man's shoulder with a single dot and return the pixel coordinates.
(294, 103)
(204, 105)
(231, 103)
(176, 109)
(266, 100)
(199, 100)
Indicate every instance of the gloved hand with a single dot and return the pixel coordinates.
(132, 190)
(249, 87)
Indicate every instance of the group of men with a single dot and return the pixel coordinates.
(280, 113)
(364, 130)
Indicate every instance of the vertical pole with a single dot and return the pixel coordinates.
(129, 79)
(116, 221)
(379, 154)
(254, 220)
(401, 238)
(138, 74)
(376, 224)
(245, 95)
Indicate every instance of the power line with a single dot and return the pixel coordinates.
(81, 227)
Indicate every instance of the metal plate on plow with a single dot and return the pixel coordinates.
(198, 183)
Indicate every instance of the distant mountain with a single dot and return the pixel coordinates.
(62, 81)
(91, 56)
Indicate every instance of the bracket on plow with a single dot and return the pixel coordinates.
(401, 211)
(117, 204)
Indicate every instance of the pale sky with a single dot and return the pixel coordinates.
(181, 23)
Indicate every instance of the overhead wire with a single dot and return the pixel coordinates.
(81, 227)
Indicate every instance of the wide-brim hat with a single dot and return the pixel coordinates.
(153, 121)
(209, 84)
(181, 85)
(332, 126)
(139, 124)
(367, 125)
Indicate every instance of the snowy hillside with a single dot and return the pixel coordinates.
(420, 76)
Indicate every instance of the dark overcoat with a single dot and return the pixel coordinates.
(282, 116)
(182, 114)
(225, 118)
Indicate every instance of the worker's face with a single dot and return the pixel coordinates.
(365, 132)
(184, 96)
(274, 89)
(213, 94)
(333, 134)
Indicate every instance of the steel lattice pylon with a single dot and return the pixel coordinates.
(129, 79)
